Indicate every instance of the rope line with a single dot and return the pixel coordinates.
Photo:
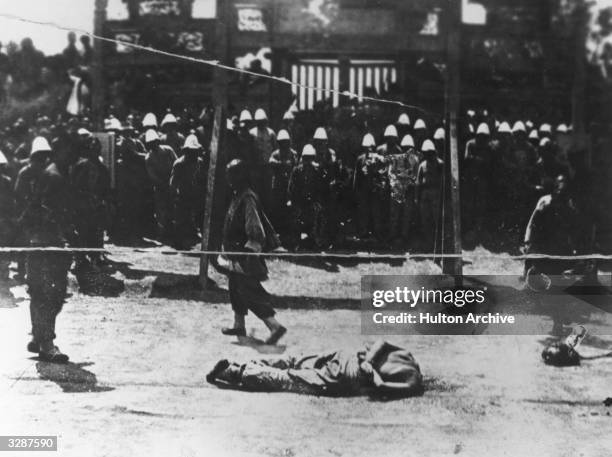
(323, 255)
(213, 63)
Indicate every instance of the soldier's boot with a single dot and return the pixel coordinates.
(51, 353)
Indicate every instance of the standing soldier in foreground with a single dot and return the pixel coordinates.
(247, 228)
(47, 222)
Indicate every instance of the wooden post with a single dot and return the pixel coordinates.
(452, 115)
(98, 93)
(215, 198)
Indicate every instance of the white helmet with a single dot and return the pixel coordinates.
(420, 125)
(562, 128)
(471, 113)
(309, 151)
(288, 116)
(428, 146)
(283, 135)
(83, 132)
(518, 127)
(545, 128)
(169, 119)
(534, 135)
(40, 144)
(192, 142)
(544, 142)
(151, 135)
(149, 121)
(3, 160)
(390, 131)
(320, 134)
(368, 141)
(260, 115)
(407, 141)
(529, 125)
(504, 127)
(403, 119)
(440, 134)
(245, 116)
(113, 124)
(483, 129)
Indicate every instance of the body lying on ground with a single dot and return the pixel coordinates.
(379, 369)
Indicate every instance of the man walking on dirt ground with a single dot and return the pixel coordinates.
(248, 229)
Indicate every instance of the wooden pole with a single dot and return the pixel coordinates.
(215, 198)
(98, 98)
(452, 116)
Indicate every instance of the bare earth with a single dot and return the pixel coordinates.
(137, 388)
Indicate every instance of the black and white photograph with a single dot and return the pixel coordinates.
(306, 228)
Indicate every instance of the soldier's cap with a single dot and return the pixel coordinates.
(260, 115)
(483, 129)
(440, 134)
(518, 127)
(420, 125)
(504, 127)
(545, 128)
(113, 124)
(288, 116)
(428, 146)
(151, 135)
(320, 134)
(309, 151)
(544, 142)
(403, 119)
(534, 135)
(390, 132)
(40, 144)
(245, 116)
(3, 159)
(83, 132)
(368, 141)
(283, 135)
(562, 128)
(407, 141)
(169, 119)
(191, 142)
(149, 121)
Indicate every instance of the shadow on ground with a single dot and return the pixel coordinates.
(71, 377)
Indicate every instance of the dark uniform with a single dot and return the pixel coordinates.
(159, 162)
(134, 194)
(91, 182)
(371, 186)
(308, 188)
(47, 221)
(282, 164)
(188, 187)
(7, 217)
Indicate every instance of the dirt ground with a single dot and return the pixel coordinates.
(136, 385)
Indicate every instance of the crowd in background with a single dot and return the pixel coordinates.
(361, 180)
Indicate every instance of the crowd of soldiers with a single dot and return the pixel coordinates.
(390, 191)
